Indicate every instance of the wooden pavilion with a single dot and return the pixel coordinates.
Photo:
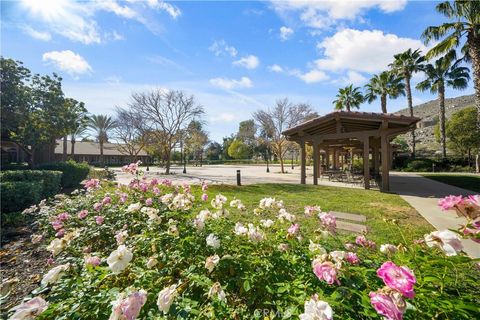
(342, 134)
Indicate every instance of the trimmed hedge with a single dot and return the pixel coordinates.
(49, 181)
(19, 195)
(73, 172)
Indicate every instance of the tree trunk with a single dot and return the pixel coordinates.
(101, 153)
(383, 101)
(443, 138)
(348, 107)
(72, 150)
(64, 154)
(474, 51)
(167, 166)
(280, 158)
(408, 90)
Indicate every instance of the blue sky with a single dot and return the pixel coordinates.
(235, 57)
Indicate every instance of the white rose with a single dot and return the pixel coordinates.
(448, 241)
(119, 259)
(55, 273)
(211, 262)
(213, 241)
(165, 298)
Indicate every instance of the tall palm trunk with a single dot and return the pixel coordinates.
(101, 153)
(383, 101)
(64, 154)
(441, 101)
(474, 51)
(408, 90)
(72, 150)
(348, 107)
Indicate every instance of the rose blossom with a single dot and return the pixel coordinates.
(121, 236)
(149, 202)
(401, 278)
(99, 220)
(211, 262)
(293, 229)
(92, 261)
(128, 308)
(329, 221)
(119, 259)
(449, 202)
(30, 309)
(64, 216)
(388, 248)
(389, 306)
(204, 197)
(352, 258)
(152, 262)
(106, 200)
(97, 206)
(448, 241)
(55, 274)
(60, 233)
(57, 225)
(326, 271)
(213, 241)
(316, 309)
(216, 291)
(165, 298)
(83, 214)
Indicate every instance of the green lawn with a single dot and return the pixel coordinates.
(466, 181)
(374, 205)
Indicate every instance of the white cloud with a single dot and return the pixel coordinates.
(222, 117)
(285, 33)
(275, 68)
(249, 62)
(67, 61)
(353, 77)
(113, 80)
(226, 83)
(220, 47)
(39, 35)
(172, 10)
(311, 76)
(362, 51)
(321, 14)
(76, 20)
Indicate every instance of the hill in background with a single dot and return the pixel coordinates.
(429, 113)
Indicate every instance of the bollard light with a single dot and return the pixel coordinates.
(238, 178)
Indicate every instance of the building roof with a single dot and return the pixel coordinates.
(352, 121)
(92, 148)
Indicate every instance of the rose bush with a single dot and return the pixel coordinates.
(152, 250)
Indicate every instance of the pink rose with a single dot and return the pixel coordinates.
(83, 214)
(106, 200)
(130, 306)
(63, 216)
(293, 229)
(326, 271)
(204, 186)
(149, 202)
(449, 202)
(398, 278)
(97, 206)
(156, 191)
(57, 225)
(386, 306)
(99, 220)
(204, 197)
(92, 261)
(60, 233)
(329, 221)
(50, 261)
(352, 258)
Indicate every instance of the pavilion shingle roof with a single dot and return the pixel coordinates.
(92, 148)
(353, 116)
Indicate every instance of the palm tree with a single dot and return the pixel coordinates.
(348, 98)
(440, 75)
(406, 64)
(461, 29)
(101, 124)
(384, 85)
(79, 130)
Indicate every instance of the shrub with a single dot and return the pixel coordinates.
(420, 165)
(49, 181)
(18, 195)
(73, 172)
(129, 246)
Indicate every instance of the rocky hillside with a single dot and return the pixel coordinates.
(428, 112)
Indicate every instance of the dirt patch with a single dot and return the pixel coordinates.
(22, 266)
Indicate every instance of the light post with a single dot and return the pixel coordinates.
(268, 155)
(293, 152)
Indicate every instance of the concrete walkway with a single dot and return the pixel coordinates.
(423, 194)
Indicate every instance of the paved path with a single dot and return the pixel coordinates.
(423, 194)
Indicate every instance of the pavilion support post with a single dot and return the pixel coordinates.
(303, 170)
(385, 163)
(376, 158)
(366, 166)
(327, 158)
(316, 158)
(335, 159)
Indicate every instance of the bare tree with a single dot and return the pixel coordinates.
(274, 121)
(166, 114)
(131, 132)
